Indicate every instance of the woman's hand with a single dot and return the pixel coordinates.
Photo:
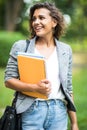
(44, 87)
(74, 126)
(73, 120)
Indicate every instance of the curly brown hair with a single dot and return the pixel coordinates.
(55, 13)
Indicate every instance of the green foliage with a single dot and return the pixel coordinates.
(6, 41)
(77, 44)
(6, 94)
(66, 6)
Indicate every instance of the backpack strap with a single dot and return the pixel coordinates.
(27, 44)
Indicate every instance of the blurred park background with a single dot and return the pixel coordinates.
(14, 25)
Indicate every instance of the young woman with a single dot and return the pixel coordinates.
(47, 25)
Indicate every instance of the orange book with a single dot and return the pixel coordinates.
(31, 70)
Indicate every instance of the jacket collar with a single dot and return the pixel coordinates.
(61, 53)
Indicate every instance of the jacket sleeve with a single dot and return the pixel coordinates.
(69, 73)
(11, 70)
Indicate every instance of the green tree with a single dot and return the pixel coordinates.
(10, 11)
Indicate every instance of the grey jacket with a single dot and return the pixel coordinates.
(65, 71)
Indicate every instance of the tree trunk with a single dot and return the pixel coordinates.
(12, 13)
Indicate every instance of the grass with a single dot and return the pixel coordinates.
(6, 94)
(79, 88)
(80, 92)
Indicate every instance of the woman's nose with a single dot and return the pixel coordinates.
(37, 20)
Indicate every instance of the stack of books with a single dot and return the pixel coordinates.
(32, 69)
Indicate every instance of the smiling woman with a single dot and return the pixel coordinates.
(47, 25)
(52, 12)
(40, 21)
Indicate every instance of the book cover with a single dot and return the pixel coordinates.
(31, 70)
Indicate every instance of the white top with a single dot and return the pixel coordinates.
(52, 74)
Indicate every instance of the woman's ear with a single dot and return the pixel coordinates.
(54, 23)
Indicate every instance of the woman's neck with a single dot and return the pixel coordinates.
(45, 46)
(45, 41)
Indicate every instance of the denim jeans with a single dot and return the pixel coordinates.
(45, 115)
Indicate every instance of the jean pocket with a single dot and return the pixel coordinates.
(62, 105)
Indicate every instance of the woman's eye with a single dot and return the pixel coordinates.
(42, 18)
(39, 18)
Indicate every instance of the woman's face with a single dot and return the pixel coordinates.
(42, 22)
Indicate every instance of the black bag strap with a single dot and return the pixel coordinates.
(16, 93)
(15, 99)
(27, 44)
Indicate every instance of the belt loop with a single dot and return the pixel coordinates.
(55, 101)
(47, 102)
(37, 103)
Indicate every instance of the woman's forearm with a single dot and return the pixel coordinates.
(18, 85)
(73, 118)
